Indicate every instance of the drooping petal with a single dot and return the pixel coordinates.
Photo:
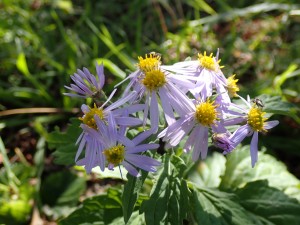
(198, 142)
(190, 142)
(131, 169)
(165, 103)
(253, 148)
(154, 113)
(204, 146)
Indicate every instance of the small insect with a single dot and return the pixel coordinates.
(154, 54)
(258, 102)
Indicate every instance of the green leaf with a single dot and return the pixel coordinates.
(274, 104)
(268, 205)
(208, 172)
(239, 172)
(168, 203)
(102, 209)
(65, 188)
(130, 193)
(213, 207)
(256, 203)
(64, 143)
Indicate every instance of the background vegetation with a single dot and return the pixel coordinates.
(43, 42)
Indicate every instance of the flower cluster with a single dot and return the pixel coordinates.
(195, 99)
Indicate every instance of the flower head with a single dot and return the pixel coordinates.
(108, 146)
(255, 122)
(232, 86)
(208, 62)
(158, 86)
(198, 119)
(86, 84)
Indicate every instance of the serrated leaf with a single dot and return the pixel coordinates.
(64, 143)
(213, 207)
(65, 188)
(256, 203)
(267, 205)
(102, 209)
(239, 172)
(169, 197)
(208, 172)
(130, 194)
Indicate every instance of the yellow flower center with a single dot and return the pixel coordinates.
(207, 62)
(232, 86)
(154, 79)
(206, 113)
(149, 63)
(88, 118)
(256, 119)
(115, 155)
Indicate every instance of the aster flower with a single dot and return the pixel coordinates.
(121, 116)
(152, 81)
(199, 118)
(208, 74)
(86, 84)
(108, 146)
(255, 122)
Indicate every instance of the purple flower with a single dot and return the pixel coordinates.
(198, 119)
(256, 122)
(86, 84)
(207, 72)
(108, 146)
(157, 85)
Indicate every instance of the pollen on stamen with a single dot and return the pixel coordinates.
(208, 62)
(88, 118)
(115, 155)
(149, 63)
(154, 79)
(206, 113)
(256, 119)
(232, 86)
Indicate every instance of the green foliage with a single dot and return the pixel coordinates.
(102, 209)
(65, 188)
(256, 203)
(130, 194)
(64, 143)
(168, 202)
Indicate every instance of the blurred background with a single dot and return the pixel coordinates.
(43, 42)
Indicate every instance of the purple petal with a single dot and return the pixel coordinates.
(143, 162)
(239, 135)
(253, 149)
(198, 142)
(165, 103)
(204, 145)
(100, 73)
(142, 148)
(154, 116)
(142, 136)
(85, 109)
(270, 124)
(131, 169)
